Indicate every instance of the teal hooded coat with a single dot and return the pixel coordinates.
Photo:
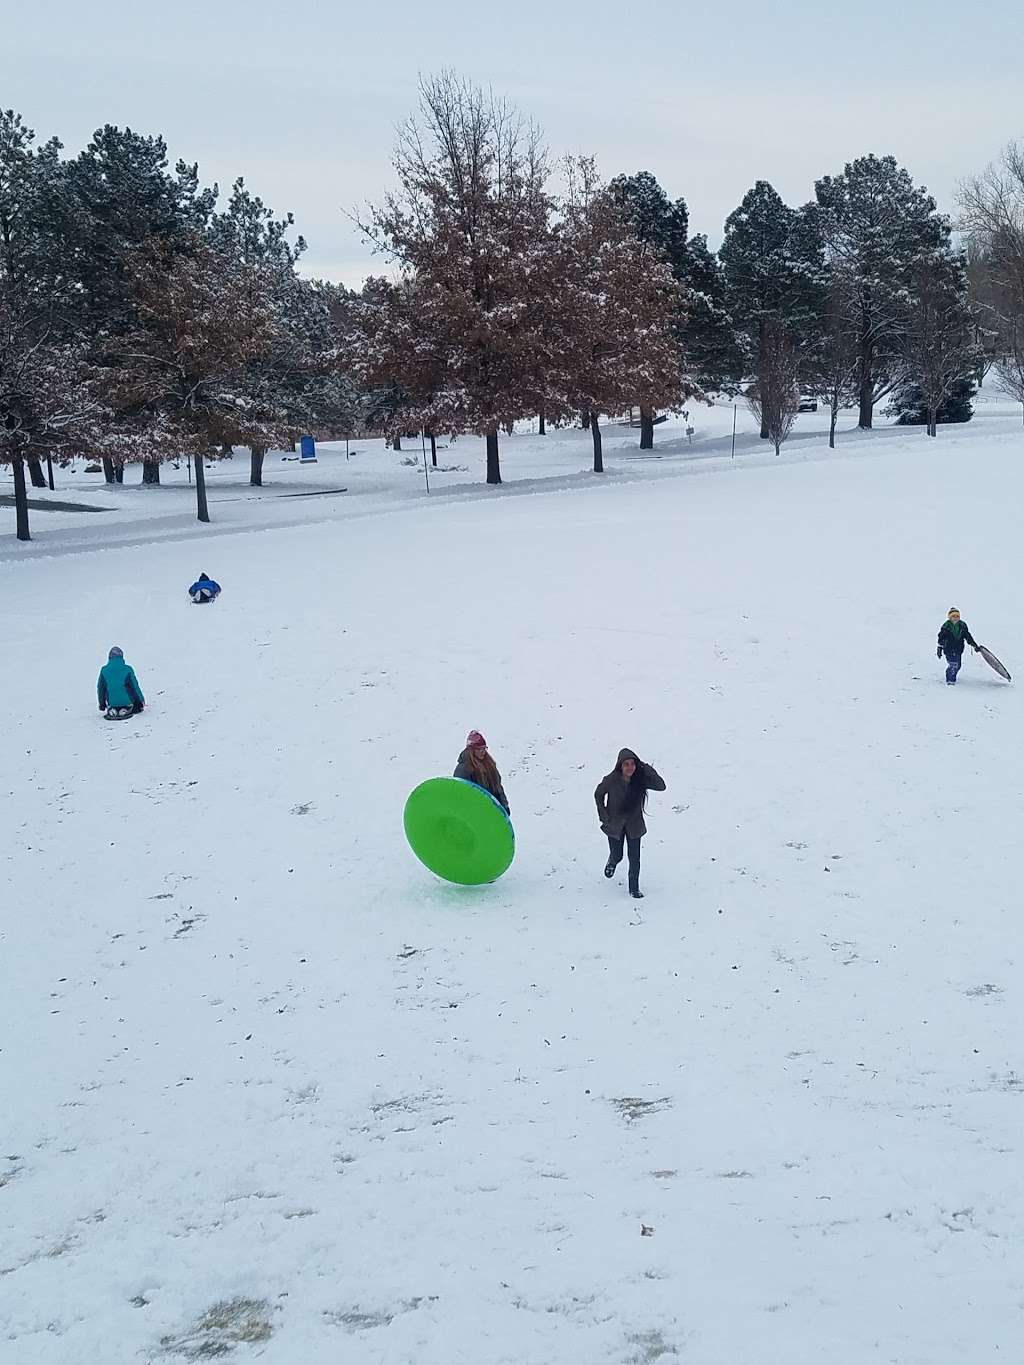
(118, 686)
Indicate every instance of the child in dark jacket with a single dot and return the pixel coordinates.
(953, 635)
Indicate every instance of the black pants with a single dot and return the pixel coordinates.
(633, 845)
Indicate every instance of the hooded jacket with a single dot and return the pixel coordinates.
(204, 584)
(118, 686)
(465, 772)
(620, 804)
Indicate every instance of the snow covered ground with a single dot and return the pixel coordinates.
(271, 1089)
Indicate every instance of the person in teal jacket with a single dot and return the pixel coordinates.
(117, 689)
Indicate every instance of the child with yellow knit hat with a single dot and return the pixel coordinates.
(953, 635)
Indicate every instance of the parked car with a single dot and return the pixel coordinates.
(807, 403)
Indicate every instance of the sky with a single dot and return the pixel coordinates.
(303, 100)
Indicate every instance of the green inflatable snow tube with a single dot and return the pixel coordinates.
(459, 831)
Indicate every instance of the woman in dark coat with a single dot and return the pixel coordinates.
(621, 798)
(476, 765)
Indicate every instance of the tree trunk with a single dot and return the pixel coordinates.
(867, 402)
(541, 427)
(119, 472)
(433, 449)
(150, 474)
(595, 430)
(256, 454)
(49, 471)
(396, 444)
(762, 334)
(20, 499)
(584, 420)
(35, 470)
(493, 464)
(202, 509)
(108, 469)
(833, 418)
(646, 428)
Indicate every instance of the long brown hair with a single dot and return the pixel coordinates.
(483, 767)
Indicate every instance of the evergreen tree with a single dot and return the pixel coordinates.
(248, 232)
(938, 347)
(774, 275)
(909, 408)
(35, 220)
(877, 225)
(46, 402)
(181, 377)
(126, 195)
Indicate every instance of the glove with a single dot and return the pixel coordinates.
(938, 652)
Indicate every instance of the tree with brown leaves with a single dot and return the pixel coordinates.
(617, 310)
(462, 332)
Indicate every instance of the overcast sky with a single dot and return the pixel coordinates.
(303, 100)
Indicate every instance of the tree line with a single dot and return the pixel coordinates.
(141, 320)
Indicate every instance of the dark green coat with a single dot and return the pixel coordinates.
(620, 804)
(952, 641)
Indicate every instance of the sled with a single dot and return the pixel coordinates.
(993, 662)
(459, 831)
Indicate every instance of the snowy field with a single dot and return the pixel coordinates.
(271, 1091)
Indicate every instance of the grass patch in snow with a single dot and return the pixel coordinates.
(224, 1325)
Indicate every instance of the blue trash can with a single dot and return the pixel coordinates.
(307, 450)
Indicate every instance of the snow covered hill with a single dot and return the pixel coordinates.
(272, 1090)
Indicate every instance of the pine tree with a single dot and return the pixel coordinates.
(180, 378)
(469, 229)
(248, 233)
(877, 225)
(772, 260)
(125, 195)
(46, 402)
(938, 347)
(910, 409)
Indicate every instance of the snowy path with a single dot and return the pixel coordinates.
(270, 1087)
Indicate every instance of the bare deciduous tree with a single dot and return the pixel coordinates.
(1010, 371)
(774, 397)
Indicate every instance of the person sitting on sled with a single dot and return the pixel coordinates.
(953, 635)
(117, 689)
(203, 590)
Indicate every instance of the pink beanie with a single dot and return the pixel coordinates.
(475, 740)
